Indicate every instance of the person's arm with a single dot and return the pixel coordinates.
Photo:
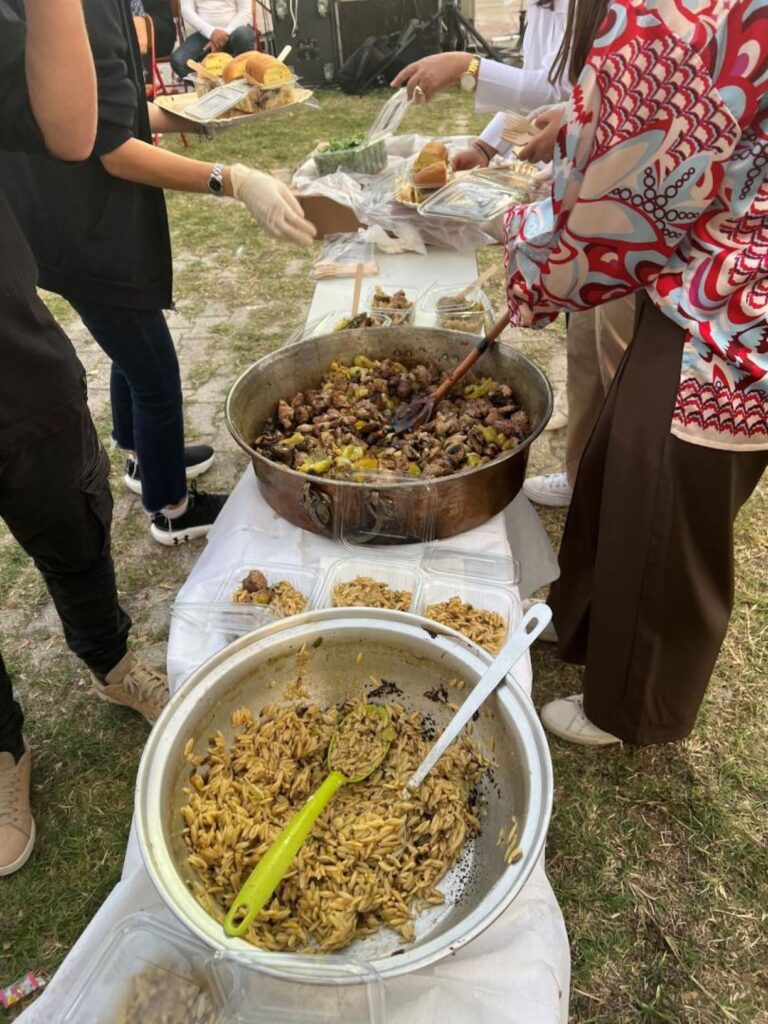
(163, 122)
(190, 15)
(631, 178)
(500, 87)
(242, 16)
(60, 77)
(267, 200)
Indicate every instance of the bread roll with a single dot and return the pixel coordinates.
(264, 69)
(236, 67)
(216, 62)
(433, 176)
(433, 153)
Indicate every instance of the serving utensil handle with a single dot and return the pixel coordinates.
(258, 888)
(534, 621)
(466, 364)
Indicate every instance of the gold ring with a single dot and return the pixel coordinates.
(418, 91)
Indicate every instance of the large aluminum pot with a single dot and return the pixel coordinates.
(420, 656)
(462, 500)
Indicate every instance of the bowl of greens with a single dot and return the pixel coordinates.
(351, 154)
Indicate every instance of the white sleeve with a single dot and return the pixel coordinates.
(190, 15)
(492, 134)
(242, 17)
(500, 87)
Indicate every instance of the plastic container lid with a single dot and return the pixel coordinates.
(389, 117)
(389, 522)
(264, 988)
(475, 199)
(330, 323)
(441, 560)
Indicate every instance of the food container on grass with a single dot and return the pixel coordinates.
(420, 657)
(395, 574)
(145, 966)
(454, 314)
(479, 593)
(376, 301)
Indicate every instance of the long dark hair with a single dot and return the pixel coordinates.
(581, 27)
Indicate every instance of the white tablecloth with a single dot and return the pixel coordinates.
(518, 971)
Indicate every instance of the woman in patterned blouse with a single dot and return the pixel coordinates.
(661, 188)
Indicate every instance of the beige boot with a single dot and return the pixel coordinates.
(17, 827)
(135, 685)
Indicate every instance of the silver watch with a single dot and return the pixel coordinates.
(216, 180)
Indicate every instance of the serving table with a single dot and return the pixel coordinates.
(518, 970)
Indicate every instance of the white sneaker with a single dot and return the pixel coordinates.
(549, 634)
(550, 489)
(565, 718)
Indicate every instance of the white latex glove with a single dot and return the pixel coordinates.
(272, 204)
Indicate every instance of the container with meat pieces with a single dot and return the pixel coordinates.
(342, 427)
(397, 303)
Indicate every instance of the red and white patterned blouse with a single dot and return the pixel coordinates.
(661, 173)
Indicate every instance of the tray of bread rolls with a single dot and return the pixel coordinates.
(229, 90)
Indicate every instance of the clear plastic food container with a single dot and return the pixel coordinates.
(330, 323)
(301, 578)
(386, 523)
(377, 300)
(150, 973)
(473, 314)
(481, 594)
(475, 199)
(396, 575)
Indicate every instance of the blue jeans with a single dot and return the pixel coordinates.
(145, 387)
(193, 48)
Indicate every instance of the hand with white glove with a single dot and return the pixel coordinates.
(272, 204)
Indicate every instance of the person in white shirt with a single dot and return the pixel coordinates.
(219, 25)
(497, 86)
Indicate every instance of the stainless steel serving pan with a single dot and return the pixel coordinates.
(464, 499)
(419, 656)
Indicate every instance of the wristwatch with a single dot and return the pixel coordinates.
(216, 180)
(468, 80)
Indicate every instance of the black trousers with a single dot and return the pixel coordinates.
(55, 500)
(646, 562)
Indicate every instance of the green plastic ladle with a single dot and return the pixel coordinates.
(258, 888)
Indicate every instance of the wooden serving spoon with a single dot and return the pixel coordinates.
(421, 410)
(479, 282)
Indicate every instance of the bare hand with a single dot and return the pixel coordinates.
(218, 40)
(430, 75)
(467, 159)
(541, 148)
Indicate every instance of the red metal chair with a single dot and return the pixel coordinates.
(174, 84)
(156, 86)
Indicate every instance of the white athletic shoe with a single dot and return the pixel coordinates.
(565, 718)
(550, 489)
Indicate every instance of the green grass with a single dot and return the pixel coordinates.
(659, 858)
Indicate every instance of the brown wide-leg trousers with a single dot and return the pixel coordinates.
(646, 585)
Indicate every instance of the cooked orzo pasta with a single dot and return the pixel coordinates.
(365, 592)
(374, 857)
(486, 628)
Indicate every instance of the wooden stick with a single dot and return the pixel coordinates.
(284, 53)
(358, 285)
(466, 365)
(202, 71)
(479, 282)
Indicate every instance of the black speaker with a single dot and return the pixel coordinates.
(309, 27)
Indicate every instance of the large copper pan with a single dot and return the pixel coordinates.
(464, 500)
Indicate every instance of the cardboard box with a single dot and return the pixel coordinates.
(328, 216)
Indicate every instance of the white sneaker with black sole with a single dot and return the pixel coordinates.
(549, 489)
(198, 459)
(202, 510)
